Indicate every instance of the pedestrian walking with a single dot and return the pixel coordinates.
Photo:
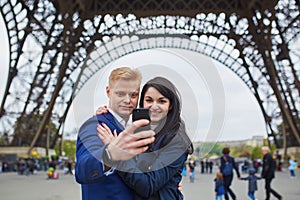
(219, 186)
(252, 182)
(192, 165)
(226, 168)
(268, 172)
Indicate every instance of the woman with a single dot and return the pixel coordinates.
(156, 174)
(226, 161)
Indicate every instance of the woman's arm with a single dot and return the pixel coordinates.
(153, 170)
(222, 161)
(236, 168)
(146, 184)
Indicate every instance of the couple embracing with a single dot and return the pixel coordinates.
(116, 162)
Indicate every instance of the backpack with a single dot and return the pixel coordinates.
(228, 168)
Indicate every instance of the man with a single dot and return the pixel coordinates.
(99, 181)
(268, 172)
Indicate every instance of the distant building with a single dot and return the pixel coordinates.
(254, 141)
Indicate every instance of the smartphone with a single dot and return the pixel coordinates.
(141, 113)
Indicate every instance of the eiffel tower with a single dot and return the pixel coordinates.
(255, 39)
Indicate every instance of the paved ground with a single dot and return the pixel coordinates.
(37, 187)
(203, 186)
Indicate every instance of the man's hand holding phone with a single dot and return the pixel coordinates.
(128, 143)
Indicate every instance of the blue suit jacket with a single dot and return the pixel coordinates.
(89, 170)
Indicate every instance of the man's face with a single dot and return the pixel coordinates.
(123, 96)
(264, 152)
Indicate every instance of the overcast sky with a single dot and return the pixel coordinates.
(216, 103)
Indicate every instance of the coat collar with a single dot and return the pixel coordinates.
(109, 117)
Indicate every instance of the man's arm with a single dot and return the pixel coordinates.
(244, 178)
(89, 150)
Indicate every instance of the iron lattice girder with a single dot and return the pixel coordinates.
(67, 31)
(146, 8)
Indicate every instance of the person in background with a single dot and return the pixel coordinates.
(210, 166)
(192, 166)
(268, 172)
(292, 167)
(206, 165)
(227, 159)
(202, 166)
(252, 182)
(184, 169)
(69, 167)
(219, 186)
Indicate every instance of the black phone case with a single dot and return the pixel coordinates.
(141, 113)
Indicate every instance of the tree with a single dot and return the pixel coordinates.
(4, 140)
(241, 151)
(69, 147)
(256, 153)
(217, 149)
(285, 135)
(26, 128)
(206, 149)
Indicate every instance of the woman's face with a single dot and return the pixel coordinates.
(158, 104)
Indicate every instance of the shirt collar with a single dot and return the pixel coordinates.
(118, 117)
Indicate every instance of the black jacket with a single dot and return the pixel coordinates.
(268, 170)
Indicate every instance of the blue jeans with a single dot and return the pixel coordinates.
(292, 173)
(192, 176)
(219, 197)
(251, 195)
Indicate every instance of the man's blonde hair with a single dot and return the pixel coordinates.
(125, 73)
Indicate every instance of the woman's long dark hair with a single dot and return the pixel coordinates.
(173, 122)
